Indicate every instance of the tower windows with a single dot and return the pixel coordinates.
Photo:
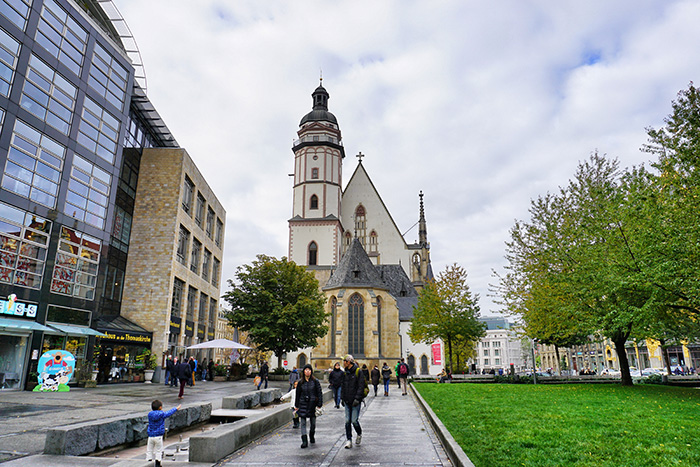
(373, 242)
(360, 224)
(314, 173)
(313, 202)
(313, 251)
(346, 241)
(356, 325)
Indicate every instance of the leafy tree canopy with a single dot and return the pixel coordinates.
(278, 303)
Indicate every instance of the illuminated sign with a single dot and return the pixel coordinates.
(126, 337)
(14, 308)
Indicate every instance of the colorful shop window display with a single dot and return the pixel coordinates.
(55, 370)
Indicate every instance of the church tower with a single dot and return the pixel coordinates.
(315, 230)
(421, 268)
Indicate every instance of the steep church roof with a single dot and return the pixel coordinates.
(355, 269)
(405, 305)
(397, 281)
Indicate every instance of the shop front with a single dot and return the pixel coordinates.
(15, 337)
(119, 353)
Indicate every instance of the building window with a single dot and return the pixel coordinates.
(486, 343)
(191, 302)
(114, 282)
(215, 272)
(497, 361)
(182, 244)
(108, 77)
(77, 260)
(196, 253)
(187, 195)
(486, 352)
(212, 313)
(34, 165)
(373, 242)
(347, 240)
(121, 231)
(24, 241)
(313, 252)
(61, 36)
(199, 210)
(334, 316)
(424, 365)
(88, 192)
(16, 11)
(356, 326)
(206, 264)
(203, 308)
(486, 362)
(176, 303)
(496, 353)
(98, 131)
(314, 173)
(313, 204)
(9, 51)
(497, 344)
(360, 224)
(219, 232)
(210, 222)
(48, 95)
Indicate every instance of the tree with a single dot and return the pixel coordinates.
(447, 310)
(278, 304)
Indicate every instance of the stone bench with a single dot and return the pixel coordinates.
(251, 399)
(218, 443)
(86, 437)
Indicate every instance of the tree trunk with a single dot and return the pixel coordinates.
(664, 354)
(449, 347)
(625, 376)
(556, 353)
(279, 360)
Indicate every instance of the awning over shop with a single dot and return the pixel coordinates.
(118, 328)
(20, 324)
(76, 330)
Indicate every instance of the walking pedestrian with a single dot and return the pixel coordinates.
(386, 375)
(156, 430)
(210, 369)
(403, 376)
(353, 391)
(293, 377)
(308, 397)
(335, 380)
(169, 366)
(203, 367)
(184, 373)
(292, 396)
(173, 374)
(396, 372)
(264, 374)
(375, 378)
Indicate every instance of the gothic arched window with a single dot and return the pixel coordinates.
(356, 326)
(424, 365)
(411, 365)
(347, 241)
(334, 316)
(313, 252)
(313, 203)
(361, 224)
(302, 361)
(373, 241)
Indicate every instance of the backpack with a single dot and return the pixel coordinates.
(403, 369)
(366, 389)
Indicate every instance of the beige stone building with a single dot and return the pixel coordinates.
(172, 281)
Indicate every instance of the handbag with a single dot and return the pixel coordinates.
(319, 411)
(256, 380)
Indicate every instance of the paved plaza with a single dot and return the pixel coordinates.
(396, 432)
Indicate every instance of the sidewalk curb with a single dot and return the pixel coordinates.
(453, 450)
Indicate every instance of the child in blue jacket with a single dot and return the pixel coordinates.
(156, 430)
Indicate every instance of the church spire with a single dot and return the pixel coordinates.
(422, 226)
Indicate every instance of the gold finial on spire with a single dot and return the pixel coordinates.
(321, 70)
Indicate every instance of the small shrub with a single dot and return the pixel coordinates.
(652, 379)
(220, 370)
(280, 371)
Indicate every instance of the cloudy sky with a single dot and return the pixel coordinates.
(481, 105)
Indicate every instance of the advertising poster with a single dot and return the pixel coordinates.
(55, 370)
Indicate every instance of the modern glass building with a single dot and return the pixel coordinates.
(74, 121)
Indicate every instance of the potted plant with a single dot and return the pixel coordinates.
(149, 365)
(220, 372)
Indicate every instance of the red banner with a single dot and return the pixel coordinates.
(437, 353)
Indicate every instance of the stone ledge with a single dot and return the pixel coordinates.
(216, 444)
(86, 437)
(251, 399)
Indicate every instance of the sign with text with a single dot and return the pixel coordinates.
(127, 337)
(437, 353)
(175, 325)
(200, 331)
(189, 328)
(12, 307)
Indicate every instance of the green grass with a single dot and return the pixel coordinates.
(570, 425)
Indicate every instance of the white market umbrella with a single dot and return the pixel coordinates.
(219, 344)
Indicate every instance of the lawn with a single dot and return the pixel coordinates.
(572, 425)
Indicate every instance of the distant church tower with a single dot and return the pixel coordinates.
(315, 230)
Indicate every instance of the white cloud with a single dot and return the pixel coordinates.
(481, 105)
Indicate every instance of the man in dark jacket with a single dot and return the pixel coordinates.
(264, 374)
(352, 393)
(183, 371)
(169, 367)
(335, 380)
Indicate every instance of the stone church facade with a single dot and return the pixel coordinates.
(348, 238)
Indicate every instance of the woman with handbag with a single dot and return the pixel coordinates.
(308, 397)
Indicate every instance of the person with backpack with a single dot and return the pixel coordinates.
(396, 372)
(352, 394)
(403, 376)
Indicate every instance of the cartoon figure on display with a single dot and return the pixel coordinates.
(56, 368)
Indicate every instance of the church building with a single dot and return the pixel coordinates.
(347, 237)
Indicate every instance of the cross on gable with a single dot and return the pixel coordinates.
(360, 156)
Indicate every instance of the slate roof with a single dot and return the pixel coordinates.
(396, 280)
(355, 269)
(405, 305)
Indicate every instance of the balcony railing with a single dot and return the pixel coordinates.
(319, 139)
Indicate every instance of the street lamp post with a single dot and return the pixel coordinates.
(534, 367)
